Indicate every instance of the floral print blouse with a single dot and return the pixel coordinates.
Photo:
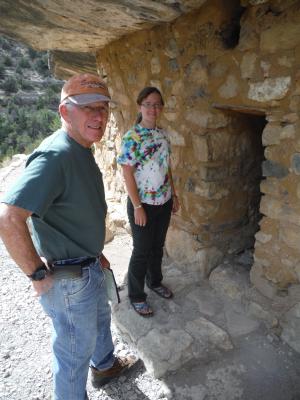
(148, 150)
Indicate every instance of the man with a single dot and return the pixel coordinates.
(62, 191)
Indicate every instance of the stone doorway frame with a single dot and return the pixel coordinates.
(247, 111)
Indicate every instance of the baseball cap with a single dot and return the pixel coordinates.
(82, 89)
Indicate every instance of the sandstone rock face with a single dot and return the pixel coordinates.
(270, 89)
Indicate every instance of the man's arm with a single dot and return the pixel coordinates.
(16, 238)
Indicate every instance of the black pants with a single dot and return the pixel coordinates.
(148, 243)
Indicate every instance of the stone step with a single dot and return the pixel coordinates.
(199, 322)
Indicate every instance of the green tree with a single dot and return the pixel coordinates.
(33, 54)
(41, 65)
(21, 120)
(24, 63)
(2, 71)
(6, 44)
(22, 143)
(25, 121)
(5, 128)
(7, 61)
(10, 85)
(26, 85)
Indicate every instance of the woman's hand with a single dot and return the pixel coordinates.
(140, 217)
(176, 204)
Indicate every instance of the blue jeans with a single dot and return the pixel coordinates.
(80, 314)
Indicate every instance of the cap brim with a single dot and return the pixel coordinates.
(83, 99)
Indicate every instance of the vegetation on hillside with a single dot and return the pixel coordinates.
(29, 99)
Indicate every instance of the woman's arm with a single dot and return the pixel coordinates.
(176, 204)
(140, 217)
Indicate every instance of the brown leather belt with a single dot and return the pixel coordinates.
(67, 271)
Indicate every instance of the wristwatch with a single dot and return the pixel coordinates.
(39, 274)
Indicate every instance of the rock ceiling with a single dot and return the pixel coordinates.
(78, 28)
(76, 25)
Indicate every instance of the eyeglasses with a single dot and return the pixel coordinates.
(92, 110)
(157, 106)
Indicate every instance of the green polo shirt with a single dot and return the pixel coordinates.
(62, 186)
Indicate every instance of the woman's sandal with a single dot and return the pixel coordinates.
(143, 309)
(163, 291)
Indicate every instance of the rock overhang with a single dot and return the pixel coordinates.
(80, 30)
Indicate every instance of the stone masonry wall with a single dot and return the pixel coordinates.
(230, 78)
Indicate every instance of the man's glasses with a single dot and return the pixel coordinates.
(94, 110)
(91, 110)
(157, 106)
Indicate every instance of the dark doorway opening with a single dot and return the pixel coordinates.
(246, 130)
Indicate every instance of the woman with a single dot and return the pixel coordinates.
(145, 160)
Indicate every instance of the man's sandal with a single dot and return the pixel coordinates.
(162, 291)
(143, 309)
